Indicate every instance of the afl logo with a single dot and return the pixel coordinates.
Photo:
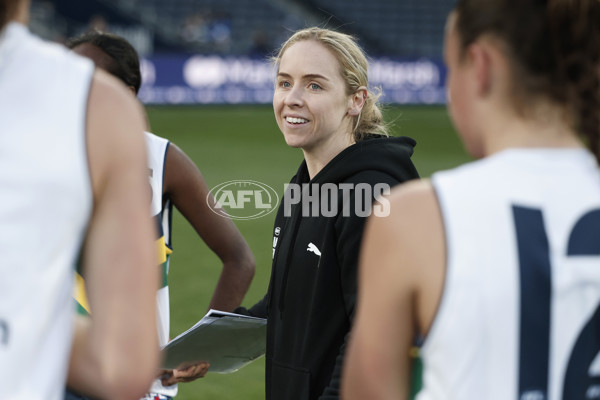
(241, 200)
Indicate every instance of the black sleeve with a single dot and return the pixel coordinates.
(258, 310)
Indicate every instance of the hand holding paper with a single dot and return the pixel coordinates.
(185, 373)
(224, 340)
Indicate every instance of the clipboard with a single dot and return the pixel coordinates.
(225, 340)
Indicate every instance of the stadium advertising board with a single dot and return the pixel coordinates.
(212, 79)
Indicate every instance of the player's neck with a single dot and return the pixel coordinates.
(509, 130)
(22, 12)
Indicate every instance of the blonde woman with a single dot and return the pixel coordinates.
(323, 107)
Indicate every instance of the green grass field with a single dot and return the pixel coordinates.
(234, 143)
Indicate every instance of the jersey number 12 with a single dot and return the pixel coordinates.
(582, 380)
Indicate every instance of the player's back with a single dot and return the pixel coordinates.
(44, 208)
(520, 311)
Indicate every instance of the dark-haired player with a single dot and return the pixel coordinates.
(496, 263)
(175, 180)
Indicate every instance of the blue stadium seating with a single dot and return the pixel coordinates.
(396, 28)
(401, 28)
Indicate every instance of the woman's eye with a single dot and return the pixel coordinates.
(314, 86)
(285, 84)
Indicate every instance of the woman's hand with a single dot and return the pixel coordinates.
(184, 373)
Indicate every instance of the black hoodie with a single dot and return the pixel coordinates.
(312, 293)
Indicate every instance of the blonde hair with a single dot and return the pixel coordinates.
(354, 66)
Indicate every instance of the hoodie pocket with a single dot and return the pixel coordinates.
(289, 382)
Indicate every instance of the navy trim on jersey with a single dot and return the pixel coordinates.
(168, 205)
(158, 221)
(78, 262)
(165, 165)
(168, 208)
(85, 147)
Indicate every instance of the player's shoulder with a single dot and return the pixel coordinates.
(111, 103)
(115, 120)
(31, 44)
(414, 229)
(414, 213)
(43, 62)
(413, 196)
(107, 90)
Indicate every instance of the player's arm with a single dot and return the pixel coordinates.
(115, 353)
(186, 187)
(401, 271)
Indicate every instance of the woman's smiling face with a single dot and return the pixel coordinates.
(310, 101)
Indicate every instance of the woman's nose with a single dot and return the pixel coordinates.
(294, 97)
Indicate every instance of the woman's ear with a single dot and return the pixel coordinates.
(481, 59)
(357, 101)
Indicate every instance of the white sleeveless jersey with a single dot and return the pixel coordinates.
(157, 151)
(45, 202)
(520, 311)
